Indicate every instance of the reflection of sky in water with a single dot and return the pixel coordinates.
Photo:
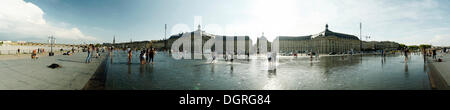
(351, 72)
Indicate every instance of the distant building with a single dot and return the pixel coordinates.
(380, 45)
(21, 42)
(5, 42)
(235, 41)
(324, 42)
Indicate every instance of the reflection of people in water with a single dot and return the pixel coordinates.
(406, 70)
(231, 57)
(406, 54)
(424, 53)
(129, 69)
(272, 73)
(142, 70)
(271, 57)
(231, 69)
(383, 61)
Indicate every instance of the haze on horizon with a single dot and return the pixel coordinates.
(410, 22)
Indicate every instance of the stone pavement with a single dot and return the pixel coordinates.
(440, 72)
(27, 74)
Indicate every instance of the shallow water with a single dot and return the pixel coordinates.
(302, 73)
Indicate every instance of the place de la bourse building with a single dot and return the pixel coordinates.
(324, 42)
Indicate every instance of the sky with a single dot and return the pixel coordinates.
(410, 22)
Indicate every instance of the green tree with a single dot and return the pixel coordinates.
(413, 47)
(424, 46)
(97, 45)
(402, 46)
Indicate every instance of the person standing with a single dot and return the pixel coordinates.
(33, 55)
(142, 56)
(94, 53)
(130, 54)
(434, 54)
(88, 58)
(147, 53)
(18, 52)
(152, 54)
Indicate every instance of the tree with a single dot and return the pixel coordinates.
(424, 46)
(402, 46)
(413, 47)
(97, 45)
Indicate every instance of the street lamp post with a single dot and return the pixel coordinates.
(51, 41)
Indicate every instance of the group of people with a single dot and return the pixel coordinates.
(92, 53)
(146, 55)
(430, 53)
(33, 54)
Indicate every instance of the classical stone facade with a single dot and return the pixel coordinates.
(233, 42)
(325, 42)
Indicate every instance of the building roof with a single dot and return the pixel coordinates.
(328, 33)
(294, 37)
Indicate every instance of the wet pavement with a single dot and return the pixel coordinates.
(29, 74)
(324, 73)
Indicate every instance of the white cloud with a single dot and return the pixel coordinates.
(20, 20)
(440, 40)
(405, 21)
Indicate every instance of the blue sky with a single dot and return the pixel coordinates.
(93, 21)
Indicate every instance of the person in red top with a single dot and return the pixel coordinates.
(33, 56)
